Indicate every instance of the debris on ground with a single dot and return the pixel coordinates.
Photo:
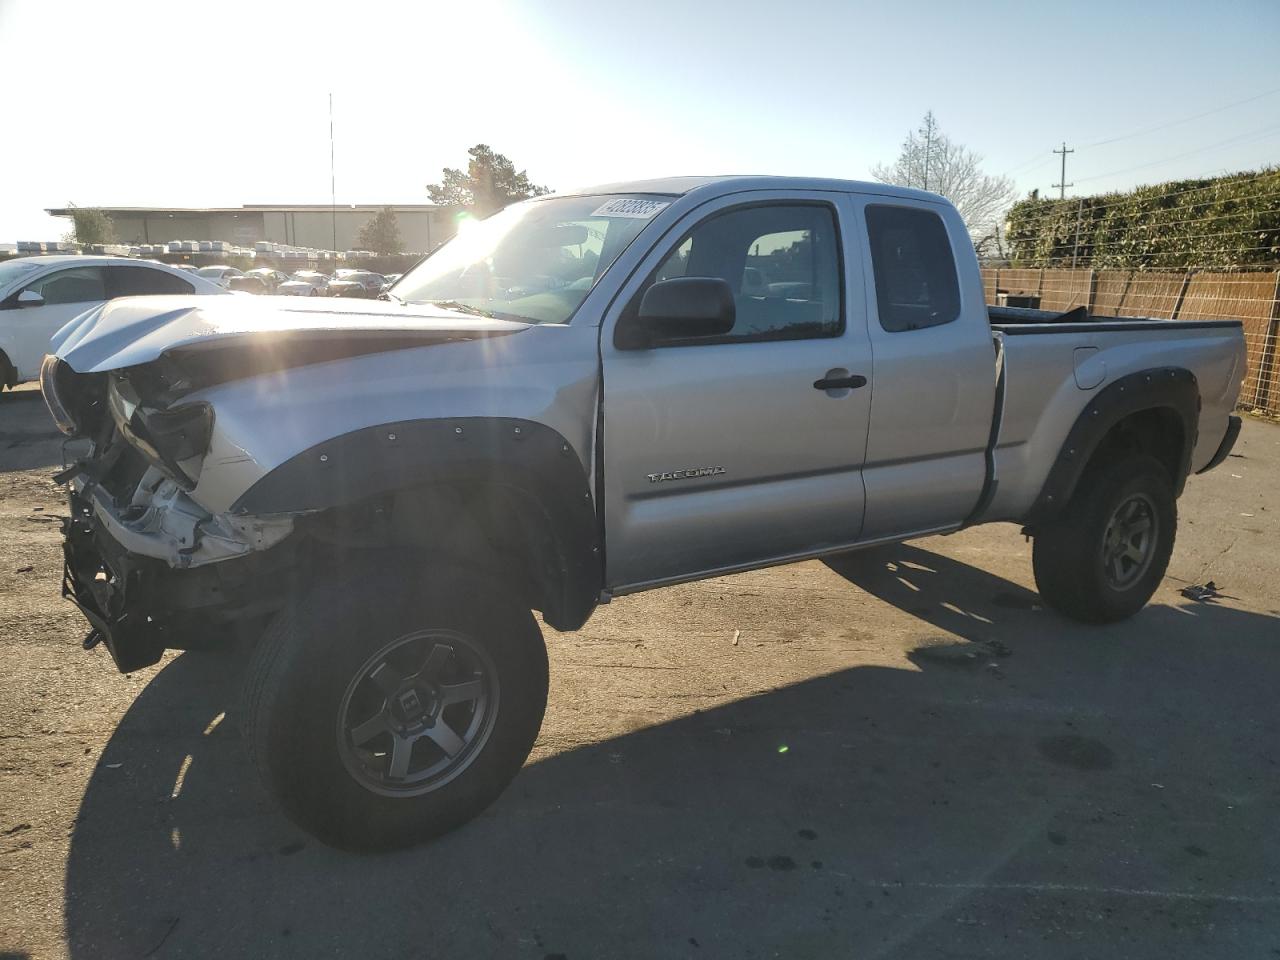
(736, 635)
(24, 569)
(1202, 592)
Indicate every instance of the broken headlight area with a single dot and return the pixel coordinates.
(75, 401)
(174, 439)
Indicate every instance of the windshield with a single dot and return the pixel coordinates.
(534, 261)
(13, 269)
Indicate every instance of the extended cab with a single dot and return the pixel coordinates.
(584, 396)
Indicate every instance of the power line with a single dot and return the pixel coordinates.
(1260, 134)
(1174, 123)
(1038, 159)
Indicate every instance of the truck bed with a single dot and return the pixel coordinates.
(1048, 380)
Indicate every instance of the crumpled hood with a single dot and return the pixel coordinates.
(134, 330)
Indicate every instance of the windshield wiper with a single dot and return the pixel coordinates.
(461, 307)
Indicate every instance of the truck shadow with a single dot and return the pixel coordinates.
(1036, 788)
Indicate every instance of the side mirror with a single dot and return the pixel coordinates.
(29, 298)
(672, 311)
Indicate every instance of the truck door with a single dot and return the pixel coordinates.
(739, 449)
(935, 369)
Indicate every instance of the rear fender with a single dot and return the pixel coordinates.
(1162, 388)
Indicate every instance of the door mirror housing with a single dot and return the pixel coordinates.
(30, 298)
(677, 310)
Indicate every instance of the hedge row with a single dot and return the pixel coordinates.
(1231, 221)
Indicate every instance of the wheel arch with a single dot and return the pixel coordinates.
(511, 495)
(1155, 411)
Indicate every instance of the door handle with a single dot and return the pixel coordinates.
(840, 383)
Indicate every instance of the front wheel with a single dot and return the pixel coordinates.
(387, 710)
(1101, 560)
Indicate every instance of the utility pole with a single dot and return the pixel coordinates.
(1062, 181)
(333, 190)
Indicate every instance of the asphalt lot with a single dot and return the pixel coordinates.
(901, 755)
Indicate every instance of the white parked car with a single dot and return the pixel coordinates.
(38, 295)
(305, 283)
(219, 275)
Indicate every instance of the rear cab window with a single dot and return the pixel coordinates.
(915, 271)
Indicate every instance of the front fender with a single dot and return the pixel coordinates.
(534, 467)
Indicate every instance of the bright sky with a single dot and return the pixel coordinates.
(192, 104)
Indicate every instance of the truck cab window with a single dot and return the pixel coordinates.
(915, 273)
(782, 263)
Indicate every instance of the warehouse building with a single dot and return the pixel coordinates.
(423, 226)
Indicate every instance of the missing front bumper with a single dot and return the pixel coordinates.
(99, 589)
(138, 606)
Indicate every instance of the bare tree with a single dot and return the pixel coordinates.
(930, 160)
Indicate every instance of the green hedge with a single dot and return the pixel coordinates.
(1231, 221)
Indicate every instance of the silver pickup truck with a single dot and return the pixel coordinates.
(584, 396)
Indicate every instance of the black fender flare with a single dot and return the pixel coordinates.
(1173, 388)
(531, 463)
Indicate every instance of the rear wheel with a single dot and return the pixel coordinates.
(390, 709)
(1103, 557)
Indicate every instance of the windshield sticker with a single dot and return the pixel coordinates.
(632, 209)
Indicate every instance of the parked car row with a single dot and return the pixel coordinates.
(363, 284)
(304, 283)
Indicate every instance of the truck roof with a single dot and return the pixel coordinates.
(733, 183)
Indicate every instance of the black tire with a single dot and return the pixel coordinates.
(314, 664)
(1084, 566)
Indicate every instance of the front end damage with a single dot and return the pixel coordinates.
(154, 559)
(138, 605)
(148, 566)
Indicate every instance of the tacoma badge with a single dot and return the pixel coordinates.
(686, 474)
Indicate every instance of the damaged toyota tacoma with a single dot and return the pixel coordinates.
(584, 396)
